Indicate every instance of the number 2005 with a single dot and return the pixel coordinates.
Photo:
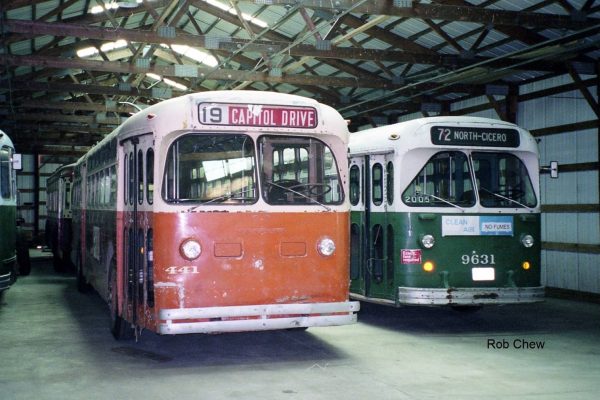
(478, 259)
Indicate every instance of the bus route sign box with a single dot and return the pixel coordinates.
(470, 136)
(258, 115)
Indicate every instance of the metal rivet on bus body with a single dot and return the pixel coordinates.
(394, 136)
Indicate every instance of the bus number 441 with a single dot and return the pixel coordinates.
(182, 270)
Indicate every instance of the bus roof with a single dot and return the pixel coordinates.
(416, 133)
(5, 140)
(181, 113)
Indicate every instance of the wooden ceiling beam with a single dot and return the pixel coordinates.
(534, 20)
(201, 72)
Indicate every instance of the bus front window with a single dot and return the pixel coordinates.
(211, 169)
(444, 181)
(502, 180)
(298, 170)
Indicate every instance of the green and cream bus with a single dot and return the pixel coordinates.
(445, 211)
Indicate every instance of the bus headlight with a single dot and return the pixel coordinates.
(190, 249)
(427, 241)
(326, 246)
(527, 241)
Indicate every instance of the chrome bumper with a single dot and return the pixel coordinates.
(5, 281)
(469, 296)
(256, 317)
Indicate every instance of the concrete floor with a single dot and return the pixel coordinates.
(55, 344)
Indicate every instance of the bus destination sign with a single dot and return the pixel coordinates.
(469, 136)
(258, 115)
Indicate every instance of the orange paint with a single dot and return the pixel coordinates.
(261, 274)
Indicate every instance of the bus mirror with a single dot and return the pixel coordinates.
(16, 161)
(552, 168)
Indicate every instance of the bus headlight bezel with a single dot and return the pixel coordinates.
(527, 241)
(427, 241)
(326, 247)
(190, 249)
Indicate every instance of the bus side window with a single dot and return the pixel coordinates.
(389, 183)
(150, 175)
(377, 179)
(125, 179)
(140, 178)
(354, 185)
(131, 175)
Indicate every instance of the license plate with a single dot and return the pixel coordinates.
(483, 274)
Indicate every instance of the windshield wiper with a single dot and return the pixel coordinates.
(224, 197)
(505, 198)
(446, 201)
(299, 194)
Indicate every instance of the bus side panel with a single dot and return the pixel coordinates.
(250, 258)
(8, 227)
(100, 248)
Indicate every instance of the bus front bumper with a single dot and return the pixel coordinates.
(469, 296)
(256, 318)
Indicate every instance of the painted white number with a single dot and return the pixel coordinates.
(417, 199)
(182, 270)
(478, 259)
(444, 134)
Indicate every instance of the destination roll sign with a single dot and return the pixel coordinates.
(258, 115)
(469, 136)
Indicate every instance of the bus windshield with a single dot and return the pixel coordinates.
(502, 180)
(446, 181)
(211, 168)
(299, 170)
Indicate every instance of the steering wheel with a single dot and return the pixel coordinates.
(312, 189)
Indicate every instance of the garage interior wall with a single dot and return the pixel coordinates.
(570, 218)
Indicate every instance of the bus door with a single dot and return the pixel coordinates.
(135, 226)
(371, 230)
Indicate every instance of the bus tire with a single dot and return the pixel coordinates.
(23, 260)
(82, 285)
(120, 328)
(57, 263)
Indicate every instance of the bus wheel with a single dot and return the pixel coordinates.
(119, 328)
(23, 259)
(82, 285)
(57, 263)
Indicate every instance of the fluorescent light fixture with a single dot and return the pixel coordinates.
(193, 54)
(231, 10)
(154, 76)
(168, 81)
(175, 84)
(106, 47)
(114, 5)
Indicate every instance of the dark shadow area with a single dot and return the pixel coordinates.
(91, 317)
(552, 315)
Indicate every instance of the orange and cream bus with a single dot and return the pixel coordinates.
(218, 212)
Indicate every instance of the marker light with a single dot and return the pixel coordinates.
(190, 249)
(527, 240)
(526, 265)
(326, 246)
(428, 266)
(427, 241)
